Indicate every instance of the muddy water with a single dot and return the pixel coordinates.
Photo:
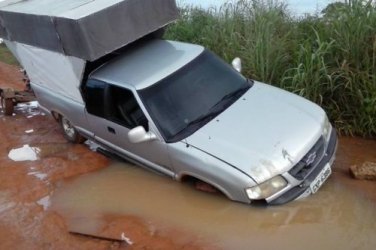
(333, 218)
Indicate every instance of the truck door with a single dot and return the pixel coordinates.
(112, 112)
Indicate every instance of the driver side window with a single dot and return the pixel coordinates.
(115, 104)
(123, 108)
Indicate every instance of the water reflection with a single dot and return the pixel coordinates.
(334, 217)
(29, 109)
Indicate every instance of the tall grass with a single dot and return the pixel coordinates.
(329, 59)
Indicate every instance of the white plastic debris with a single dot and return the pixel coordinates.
(44, 202)
(127, 240)
(40, 176)
(26, 153)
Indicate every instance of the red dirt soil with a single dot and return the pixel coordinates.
(10, 77)
(355, 151)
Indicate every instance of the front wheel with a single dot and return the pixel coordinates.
(70, 133)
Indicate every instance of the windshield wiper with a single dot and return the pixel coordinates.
(204, 118)
(217, 108)
(236, 94)
(214, 111)
(199, 121)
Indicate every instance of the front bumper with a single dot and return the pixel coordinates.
(303, 187)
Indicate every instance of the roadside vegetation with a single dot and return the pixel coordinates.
(329, 58)
(6, 56)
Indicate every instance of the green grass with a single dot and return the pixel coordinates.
(6, 56)
(329, 59)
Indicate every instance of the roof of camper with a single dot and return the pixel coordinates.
(73, 9)
(86, 29)
(149, 63)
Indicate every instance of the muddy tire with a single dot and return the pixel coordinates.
(69, 131)
(8, 106)
(205, 187)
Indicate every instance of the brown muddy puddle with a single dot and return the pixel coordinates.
(333, 218)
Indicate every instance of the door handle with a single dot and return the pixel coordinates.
(111, 130)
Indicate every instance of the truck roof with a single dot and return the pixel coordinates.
(147, 64)
(74, 9)
(86, 29)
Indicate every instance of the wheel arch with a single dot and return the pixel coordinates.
(56, 115)
(182, 177)
(78, 137)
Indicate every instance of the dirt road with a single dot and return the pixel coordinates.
(26, 186)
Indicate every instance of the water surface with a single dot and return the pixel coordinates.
(333, 218)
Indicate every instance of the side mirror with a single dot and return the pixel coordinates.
(138, 135)
(237, 64)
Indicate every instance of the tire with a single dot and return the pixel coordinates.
(205, 187)
(70, 133)
(8, 106)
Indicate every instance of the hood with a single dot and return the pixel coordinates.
(264, 133)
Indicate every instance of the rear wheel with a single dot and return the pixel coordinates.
(8, 106)
(70, 133)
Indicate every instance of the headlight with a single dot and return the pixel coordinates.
(267, 188)
(327, 128)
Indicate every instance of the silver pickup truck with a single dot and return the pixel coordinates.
(180, 110)
(173, 107)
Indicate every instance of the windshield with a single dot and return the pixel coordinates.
(185, 101)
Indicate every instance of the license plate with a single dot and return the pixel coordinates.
(320, 179)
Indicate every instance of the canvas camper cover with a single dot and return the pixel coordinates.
(86, 29)
(54, 39)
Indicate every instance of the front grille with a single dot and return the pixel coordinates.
(298, 190)
(308, 163)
